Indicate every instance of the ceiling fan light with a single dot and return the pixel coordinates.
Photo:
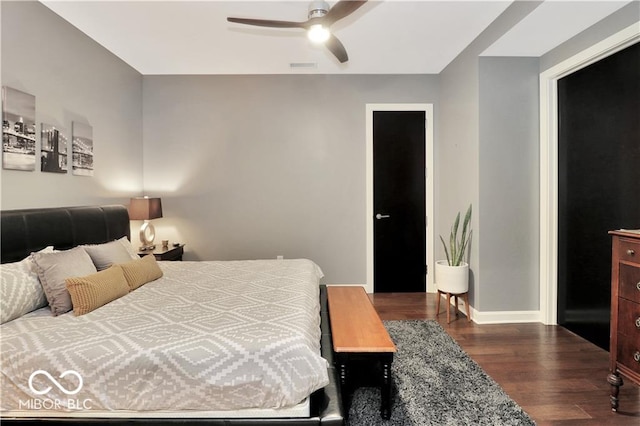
(318, 9)
(318, 34)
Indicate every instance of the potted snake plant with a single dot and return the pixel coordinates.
(452, 274)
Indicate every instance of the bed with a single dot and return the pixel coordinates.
(236, 342)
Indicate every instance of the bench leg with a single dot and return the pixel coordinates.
(344, 385)
(385, 390)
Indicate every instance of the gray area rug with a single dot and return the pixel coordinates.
(435, 383)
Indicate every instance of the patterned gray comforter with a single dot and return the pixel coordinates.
(205, 336)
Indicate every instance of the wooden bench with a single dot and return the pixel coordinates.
(359, 340)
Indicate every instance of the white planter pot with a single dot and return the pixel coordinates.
(452, 279)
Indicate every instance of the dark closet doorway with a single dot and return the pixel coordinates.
(399, 223)
(598, 185)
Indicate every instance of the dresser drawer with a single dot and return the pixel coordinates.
(629, 285)
(629, 319)
(629, 250)
(628, 353)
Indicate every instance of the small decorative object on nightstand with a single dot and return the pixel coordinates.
(145, 208)
(173, 252)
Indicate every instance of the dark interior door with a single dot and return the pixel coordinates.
(399, 201)
(598, 183)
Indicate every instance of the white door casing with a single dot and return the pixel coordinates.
(549, 161)
(429, 186)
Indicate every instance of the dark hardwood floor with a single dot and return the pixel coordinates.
(557, 377)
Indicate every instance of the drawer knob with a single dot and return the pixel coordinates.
(636, 356)
(638, 322)
(631, 252)
(638, 286)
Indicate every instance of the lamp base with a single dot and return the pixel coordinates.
(147, 235)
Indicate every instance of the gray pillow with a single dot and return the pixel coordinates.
(54, 268)
(107, 254)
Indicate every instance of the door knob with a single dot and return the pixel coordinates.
(382, 216)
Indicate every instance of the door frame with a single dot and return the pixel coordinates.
(548, 272)
(429, 186)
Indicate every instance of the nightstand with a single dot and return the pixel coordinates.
(165, 253)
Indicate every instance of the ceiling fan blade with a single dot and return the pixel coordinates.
(340, 10)
(337, 48)
(267, 23)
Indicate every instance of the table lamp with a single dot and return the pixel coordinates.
(145, 208)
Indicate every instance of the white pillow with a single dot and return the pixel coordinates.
(20, 289)
(127, 245)
(54, 268)
(107, 254)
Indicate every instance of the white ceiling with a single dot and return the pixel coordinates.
(382, 37)
(550, 24)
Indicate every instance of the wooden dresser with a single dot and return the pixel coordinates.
(624, 350)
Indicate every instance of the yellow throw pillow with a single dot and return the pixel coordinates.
(141, 271)
(92, 291)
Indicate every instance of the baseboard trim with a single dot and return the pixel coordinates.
(492, 317)
(350, 285)
(504, 317)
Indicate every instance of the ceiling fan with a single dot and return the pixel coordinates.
(320, 18)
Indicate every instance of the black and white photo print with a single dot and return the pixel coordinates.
(53, 149)
(18, 130)
(82, 149)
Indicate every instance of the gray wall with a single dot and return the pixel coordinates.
(461, 171)
(492, 160)
(73, 79)
(624, 17)
(260, 166)
(509, 183)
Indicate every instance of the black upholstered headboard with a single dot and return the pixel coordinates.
(26, 231)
